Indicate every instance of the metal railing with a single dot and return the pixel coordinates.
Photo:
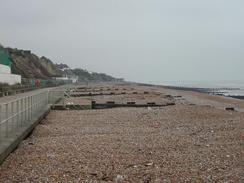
(28, 85)
(6, 91)
(21, 112)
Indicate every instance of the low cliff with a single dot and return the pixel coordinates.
(29, 65)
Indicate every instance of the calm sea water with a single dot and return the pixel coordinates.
(217, 84)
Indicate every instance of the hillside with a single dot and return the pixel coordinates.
(29, 65)
(84, 75)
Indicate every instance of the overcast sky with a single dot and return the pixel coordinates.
(139, 40)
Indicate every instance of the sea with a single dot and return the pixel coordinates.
(228, 88)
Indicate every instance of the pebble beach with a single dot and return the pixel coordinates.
(192, 141)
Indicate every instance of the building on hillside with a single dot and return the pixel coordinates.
(74, 79)
(68, 78)
(5, 69)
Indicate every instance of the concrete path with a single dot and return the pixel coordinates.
(20, 95)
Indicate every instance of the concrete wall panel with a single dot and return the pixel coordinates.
(11, 79)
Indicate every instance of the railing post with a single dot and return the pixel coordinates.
(29, 110)
(11, 116)
(47, 96)
(1, 118)
(25, 101)
(18, 113)
(6, 117)
(31, 107)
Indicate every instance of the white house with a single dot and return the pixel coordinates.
(7, 77)
(68, 79)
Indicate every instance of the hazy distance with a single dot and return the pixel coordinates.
(140, 40)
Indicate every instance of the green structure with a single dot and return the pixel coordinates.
(4, 57)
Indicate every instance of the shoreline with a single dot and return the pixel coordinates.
(221, 91)
(200, 98)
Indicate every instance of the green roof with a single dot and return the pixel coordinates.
(4, 58)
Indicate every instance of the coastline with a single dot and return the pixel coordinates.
(200, 96)
(229, 89)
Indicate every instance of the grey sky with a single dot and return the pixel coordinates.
(140, 40)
